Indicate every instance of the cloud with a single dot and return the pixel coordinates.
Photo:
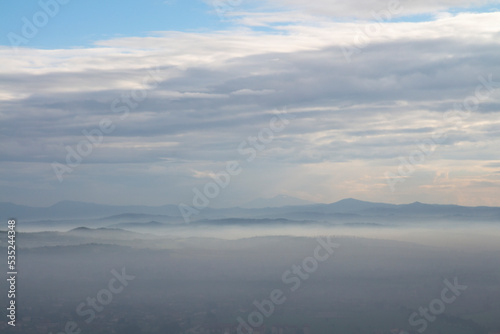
(365, 8)
(352, 119)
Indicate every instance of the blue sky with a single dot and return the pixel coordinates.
(80, 23)
(366, 99)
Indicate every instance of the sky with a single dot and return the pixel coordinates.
(152, 102)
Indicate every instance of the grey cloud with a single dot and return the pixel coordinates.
(390, 96)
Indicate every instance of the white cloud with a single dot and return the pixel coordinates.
(364, 8)
(218, 88)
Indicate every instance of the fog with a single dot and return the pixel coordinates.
(200, 278)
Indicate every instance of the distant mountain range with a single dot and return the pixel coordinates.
(276, 201)
(75, 214)
(72, 210)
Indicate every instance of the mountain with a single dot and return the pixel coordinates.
(140, 218)
(101, 233)
(67, 214)
(276, 201)
(72, 209)
(148, 225)
(247, 221)
(351, 205)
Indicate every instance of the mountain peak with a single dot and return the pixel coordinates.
(351, 200)
(417, 203)
(276, 201)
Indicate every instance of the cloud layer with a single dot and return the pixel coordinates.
(362, 95)
(365, 8)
